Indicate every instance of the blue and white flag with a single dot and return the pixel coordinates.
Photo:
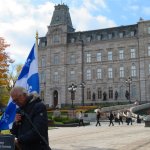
(29, 79)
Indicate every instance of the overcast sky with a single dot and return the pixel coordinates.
(20, 19)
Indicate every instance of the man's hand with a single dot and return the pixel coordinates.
(18, 117)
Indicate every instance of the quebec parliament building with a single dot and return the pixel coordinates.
(96, 66)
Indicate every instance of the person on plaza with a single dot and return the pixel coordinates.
(98, 116)
(111, 118)
(80, 116)
(119, 116)
(129, 117)
(30, 126)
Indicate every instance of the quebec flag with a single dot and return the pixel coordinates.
(29, 79)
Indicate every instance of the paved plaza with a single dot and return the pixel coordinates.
(123, 137)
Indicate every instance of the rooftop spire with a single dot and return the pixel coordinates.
(61, 15)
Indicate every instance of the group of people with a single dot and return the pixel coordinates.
(115, 117)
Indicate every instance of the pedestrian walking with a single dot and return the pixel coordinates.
(98, 116)
(81, 118)
(111, 118)
(119, 116)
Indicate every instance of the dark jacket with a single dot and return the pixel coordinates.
(27, 137)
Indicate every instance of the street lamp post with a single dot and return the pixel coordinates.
(82, 88)
(72, 89)
(128, 83)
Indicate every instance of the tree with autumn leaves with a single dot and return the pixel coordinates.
(5, 61)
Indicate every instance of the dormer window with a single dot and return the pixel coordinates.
(110, 36)
(72, 40)
(148, 30)
(121, 34)
(88, 39)
(132, 33)
(99, 37)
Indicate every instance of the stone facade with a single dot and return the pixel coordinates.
(101, 59)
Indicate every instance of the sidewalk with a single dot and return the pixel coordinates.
(123, 137)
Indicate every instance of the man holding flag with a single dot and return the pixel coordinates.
(31, 124)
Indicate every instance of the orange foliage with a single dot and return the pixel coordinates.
(4, 62)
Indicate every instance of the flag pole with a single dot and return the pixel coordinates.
(36, 37)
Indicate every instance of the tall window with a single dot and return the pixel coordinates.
(88, 74)
(148, 50)
(121, 92)
(148, 30)
(132, 53)
(72, 59)
(149, 68)
(110, 73)
(121, 72)
(133, 91)
(88, 94)
(43, 62)
(98, 57)
(133, 71)
(109, 55)
(88, 58)
(42, 77)
(99, 91)
(99, 73)
(72, 75)
(56, 59)
(56, 39)
(56, 76)
(110, 92)
(121, 54)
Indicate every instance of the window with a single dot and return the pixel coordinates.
(88, 74)
(56, 76)
(43, 62)
(72, 40)
(43, 44)
(88, 94)
(121, 54)
(88, 58)
(133, 71)
(148, 50)
(98, 56)
(99, 91)
(56, 39)
(56, 59)
(121, 92)
(110, 73)
(99, 37)
(99, 73)
(121, 72)
(132, 33)
(72, 75)
(72, 59)
(110, 92)
(132, 53)
(42, 77)
(109, 55)
(133, 91)
(110, 36)
(88, 39)
(148, 30)
(121, 34)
